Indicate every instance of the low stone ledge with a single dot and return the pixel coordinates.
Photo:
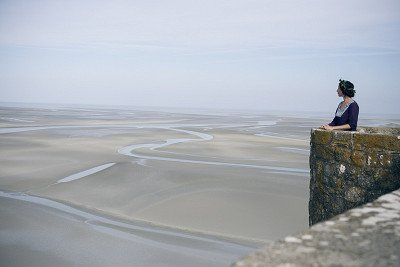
(364, 236)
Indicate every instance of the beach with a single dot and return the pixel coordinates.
(87, 186)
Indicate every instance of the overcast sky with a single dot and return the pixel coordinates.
(250, 54)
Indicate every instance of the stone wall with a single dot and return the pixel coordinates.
(349, 169)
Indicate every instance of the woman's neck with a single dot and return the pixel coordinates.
(347, 99)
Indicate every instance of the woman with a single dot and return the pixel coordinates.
(346, 116)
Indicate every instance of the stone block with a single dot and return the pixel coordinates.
(355, 194)
(343, 137)
(379, 158)
(321, 137)
(388, 182)
(377, 141)
(353, 171)
(341, 169)
(329, 169)
(319, 169)
(366, 182)
(385, 159)
(342, 154)
(395, 164)
(337, 204)
(358, 158)
(323, 152)
(371, 195)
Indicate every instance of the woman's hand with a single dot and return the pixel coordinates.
(327, 127)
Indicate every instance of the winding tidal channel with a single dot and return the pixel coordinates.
(130, 149)
(166, 245)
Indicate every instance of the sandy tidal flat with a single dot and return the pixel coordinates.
(205, 189)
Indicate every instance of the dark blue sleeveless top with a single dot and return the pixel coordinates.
(349, 116)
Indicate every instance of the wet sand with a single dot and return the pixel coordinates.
(238, 178)
(39, 235)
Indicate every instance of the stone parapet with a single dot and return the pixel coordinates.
(364, 236)
(349, 169)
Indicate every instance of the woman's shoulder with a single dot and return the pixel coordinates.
(354, 104)
(353, 107)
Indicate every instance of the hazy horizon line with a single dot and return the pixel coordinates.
(178, 109)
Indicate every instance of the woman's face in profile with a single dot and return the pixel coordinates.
(339, 92)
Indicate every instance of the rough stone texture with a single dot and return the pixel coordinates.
(349, 169)
(365, 236)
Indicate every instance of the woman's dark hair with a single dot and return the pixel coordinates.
(347, 88)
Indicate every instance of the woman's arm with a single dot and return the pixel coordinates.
(340, 127)
(353, 116)
(333, 123)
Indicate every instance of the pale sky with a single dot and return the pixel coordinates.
(250, 54)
